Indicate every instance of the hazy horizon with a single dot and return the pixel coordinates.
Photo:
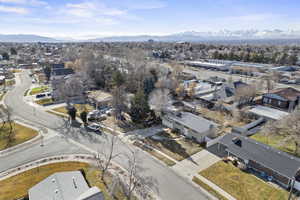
(83, 19)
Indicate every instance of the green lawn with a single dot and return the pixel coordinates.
(39, 90)
(44, 101)
(241, 185)
(22, 134)
(17, 186)
(208, 188)
(276, 142)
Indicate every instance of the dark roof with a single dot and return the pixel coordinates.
(289, 93)
(58, 66)
(62, 72)
(238, 84)
(194, 122)
(265, 155)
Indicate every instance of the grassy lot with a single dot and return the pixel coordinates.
(2, 95)
(208, 188)
(16, 70)
(242, 185)
(155, 154)
(276, 142)
(79, 107)
(44, 101)
(22, 134)
(39, 90)
(18, 186)
(178, 149)
(57, 114)
(10, 82)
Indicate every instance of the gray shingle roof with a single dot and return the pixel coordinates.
(267, 156)
(194, 122)
(60, 186)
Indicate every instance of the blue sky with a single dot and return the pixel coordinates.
(90, 18)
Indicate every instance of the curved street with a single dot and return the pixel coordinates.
(64, 140)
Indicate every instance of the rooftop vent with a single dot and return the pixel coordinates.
(237, 141)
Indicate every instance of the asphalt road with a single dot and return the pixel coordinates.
(167, 184)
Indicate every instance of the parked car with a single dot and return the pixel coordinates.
(38, 96)
(94, 128)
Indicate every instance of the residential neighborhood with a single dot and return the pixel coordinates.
(180, 116)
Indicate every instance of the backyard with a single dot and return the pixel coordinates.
(225, 121)
(276, 141)
(242, 185)
(178, 148)
(22, 134)
(24, 181)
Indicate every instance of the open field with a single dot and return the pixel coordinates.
(22, 134)
(38, 90)
(208, 188)
(242, 185)
(21, 183)
(178, 149)
(276, 141)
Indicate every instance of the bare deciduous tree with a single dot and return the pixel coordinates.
(159, 100)
(288, 127)
(7, 130)
(136, 183)
(105, 157)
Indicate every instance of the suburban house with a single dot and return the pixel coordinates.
(59, 74)
(275, 165)
(65, 186)
(284, 98)
(192, 126)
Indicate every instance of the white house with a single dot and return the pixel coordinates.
(192, 126)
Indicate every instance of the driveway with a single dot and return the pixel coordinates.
(196, 163)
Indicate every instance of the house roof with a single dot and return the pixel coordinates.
(265, 155)
(62, 71)
(60, 186)
(289, 93)
(194, 122)
(268, 112)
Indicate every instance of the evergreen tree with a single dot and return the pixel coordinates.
(139, 110)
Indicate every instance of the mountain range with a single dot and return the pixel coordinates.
(190, 36)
